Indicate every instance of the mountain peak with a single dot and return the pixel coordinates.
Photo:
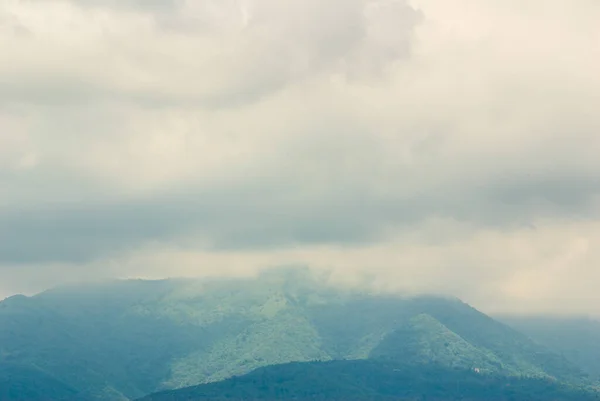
(136, 337)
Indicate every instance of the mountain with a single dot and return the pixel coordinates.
(423, 340)
(126, 339)
(374, 381)
(30, 384)
(575, 338)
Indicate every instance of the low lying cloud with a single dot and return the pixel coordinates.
(433, 146)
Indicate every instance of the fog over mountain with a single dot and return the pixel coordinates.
(422, 146)
(193, 339)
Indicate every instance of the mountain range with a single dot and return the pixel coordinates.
(377, 381)
(575, 338)
(281, 335)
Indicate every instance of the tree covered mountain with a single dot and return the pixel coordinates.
(18, 383)
(576, 338)
(375, 381)
(126, 339)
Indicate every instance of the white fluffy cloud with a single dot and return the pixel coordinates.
(437, 146)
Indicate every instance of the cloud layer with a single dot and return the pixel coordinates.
(430, 145)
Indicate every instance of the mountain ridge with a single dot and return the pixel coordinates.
(130, 338)
(575, 338)
(374, 381)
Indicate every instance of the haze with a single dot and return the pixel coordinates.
(429, 146)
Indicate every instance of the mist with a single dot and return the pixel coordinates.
(410, 146)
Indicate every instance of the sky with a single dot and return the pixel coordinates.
(425, 145)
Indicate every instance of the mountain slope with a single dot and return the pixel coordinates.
(425, 341)
(125, 339)
(19, 383)
(518, 353)
(374, 381)
(577, 339)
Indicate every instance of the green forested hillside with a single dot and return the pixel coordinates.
(423, 341)
(375, 381)
(126, 339)
(29, 384)
(577, 339)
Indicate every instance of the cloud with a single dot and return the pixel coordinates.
(432, 144)
(208, 54)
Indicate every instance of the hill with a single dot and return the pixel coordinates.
(125, 339)
(28, 384)
(577, 339)
(374, 381)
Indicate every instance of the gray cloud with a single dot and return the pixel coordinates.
(434, 145)
(276, 214)
(135, 5)
(207, 54)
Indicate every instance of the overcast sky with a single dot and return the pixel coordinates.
(427, 145)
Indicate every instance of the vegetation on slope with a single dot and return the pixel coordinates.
(374, 381)
(130, 338)
(425, 341)
(28, 384)
(577, 339)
